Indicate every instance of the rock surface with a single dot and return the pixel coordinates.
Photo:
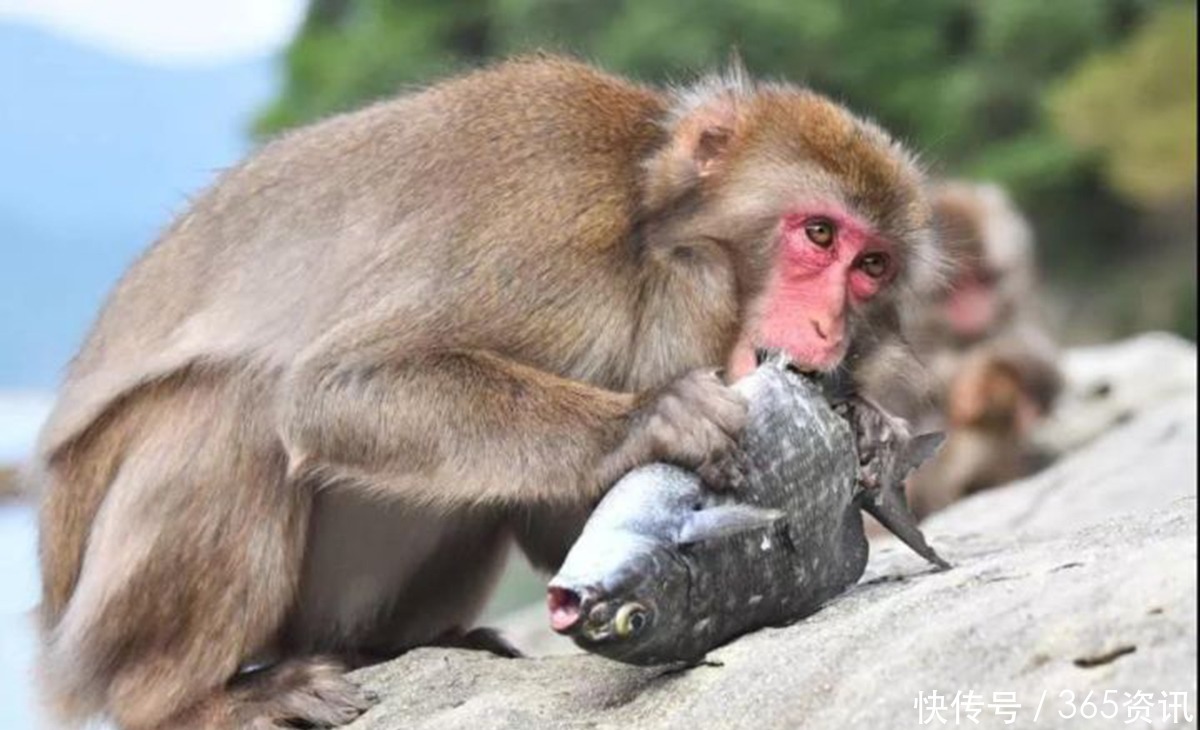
(1104, 384)
(1080, 579)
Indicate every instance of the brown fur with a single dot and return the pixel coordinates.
(990, 411)
(309, 419)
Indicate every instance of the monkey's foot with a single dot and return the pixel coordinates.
(307, 693)
(479, 639)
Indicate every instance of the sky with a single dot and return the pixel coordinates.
(166, 32)
(184, 36)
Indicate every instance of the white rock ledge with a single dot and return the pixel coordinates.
(1080, 579)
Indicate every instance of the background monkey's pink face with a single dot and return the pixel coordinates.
(971, 306)
(829, 261)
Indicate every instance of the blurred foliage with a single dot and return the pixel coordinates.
(1085, 109)
(351, 51)
(1146, 135)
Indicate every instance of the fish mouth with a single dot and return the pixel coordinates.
(566, 609)
(591, 619)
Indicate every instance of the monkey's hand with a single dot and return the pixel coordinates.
(694, 423)
(725, 472)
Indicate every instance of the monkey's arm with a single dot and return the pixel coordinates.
(466, 426)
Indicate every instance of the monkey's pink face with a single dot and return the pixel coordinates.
(971, 307)
(829, 262)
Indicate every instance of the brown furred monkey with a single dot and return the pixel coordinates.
(990, 302)
(310, 418)
(992, 368)
(990, 415)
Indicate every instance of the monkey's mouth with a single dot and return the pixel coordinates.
(763, 354)
(565, 608)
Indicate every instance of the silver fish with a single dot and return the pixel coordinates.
(666, 570)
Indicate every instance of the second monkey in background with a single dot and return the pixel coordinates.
(992, 369)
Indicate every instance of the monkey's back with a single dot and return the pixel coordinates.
(452, 209)
(418, 203)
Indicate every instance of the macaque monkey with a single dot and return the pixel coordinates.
(991, 368)
(991, 412)
(311, 418)
(991, 302)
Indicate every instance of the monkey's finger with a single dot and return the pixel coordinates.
(730, 410)
(726, 472)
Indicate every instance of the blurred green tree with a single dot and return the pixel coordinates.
(957, 77)
(351, 51)
(1135, 106)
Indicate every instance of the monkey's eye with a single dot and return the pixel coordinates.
(874, 265)
(820, 232)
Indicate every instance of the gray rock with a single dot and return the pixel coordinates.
(1103, 384)
(1080, 579)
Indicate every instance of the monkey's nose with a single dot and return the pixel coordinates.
(829, 331)
(819, 330)
(564, 608)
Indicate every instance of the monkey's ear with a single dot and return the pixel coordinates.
(710, 148)
(706, 133)
(720, 117)
(704, 124)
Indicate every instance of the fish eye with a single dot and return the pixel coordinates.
(631, 618)
(820, 232)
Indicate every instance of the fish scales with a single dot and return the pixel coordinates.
(666, 570)
(818, 467)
